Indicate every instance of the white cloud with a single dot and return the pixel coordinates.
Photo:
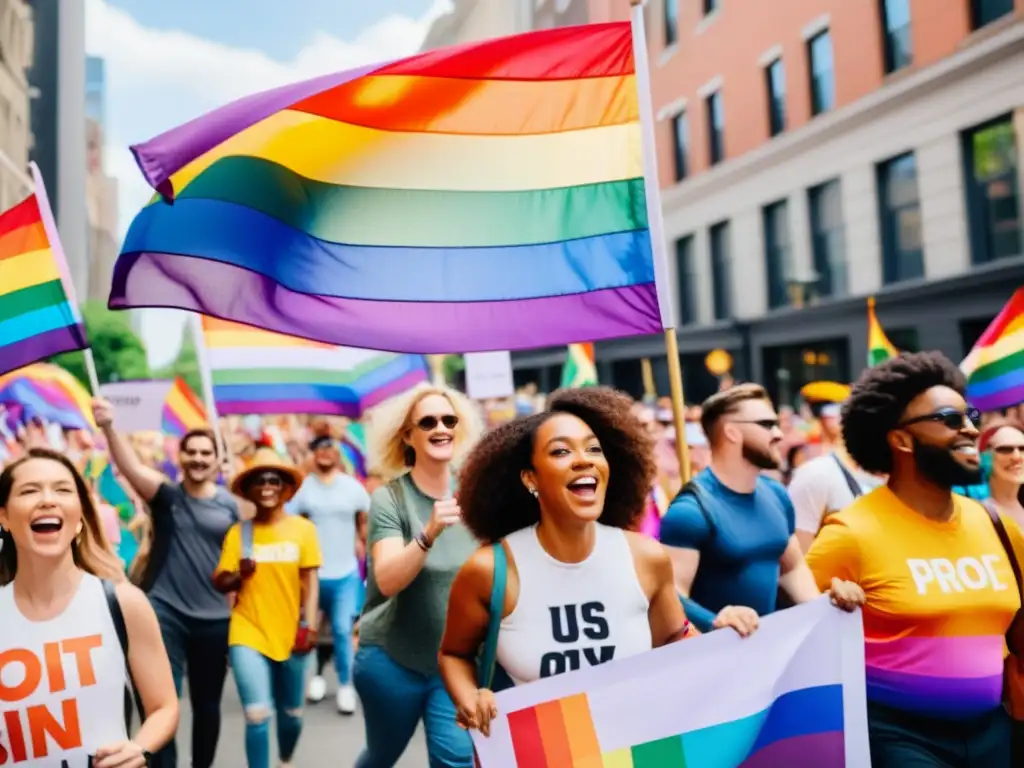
(158, 79)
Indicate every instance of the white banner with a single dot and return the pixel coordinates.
(792, 694)
(138, 405)
(488, 375)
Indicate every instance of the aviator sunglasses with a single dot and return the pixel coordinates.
(950, 418)
(428, 423)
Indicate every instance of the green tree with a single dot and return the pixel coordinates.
(186, 364)
(119, 353)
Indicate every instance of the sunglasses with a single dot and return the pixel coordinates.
(950, 418)
(1008, 450)
(272, 479)
(768, 424)
(429, 423)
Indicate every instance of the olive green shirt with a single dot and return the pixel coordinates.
(409, 625)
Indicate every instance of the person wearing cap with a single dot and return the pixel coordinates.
(827, 483)
(271, 563)
(332, 501)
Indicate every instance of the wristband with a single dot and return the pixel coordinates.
(424, 543)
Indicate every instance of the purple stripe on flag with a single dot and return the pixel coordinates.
(396, 387)
(163, 156)
(997, 401)
(158, 280)
(818, 749)
(40, 347)
(272, 407)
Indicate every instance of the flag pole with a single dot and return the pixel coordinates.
(656, 225)
(206, 378)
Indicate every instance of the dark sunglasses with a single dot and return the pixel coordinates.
(272, 479)
(1008, 450)
(768, 424)
(429, 423)
(950, 418)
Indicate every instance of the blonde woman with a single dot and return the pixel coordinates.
(61, 587)
(416, 544)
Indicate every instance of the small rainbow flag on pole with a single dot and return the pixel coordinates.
(489, 196)
(995, 365)
(259, 372)
(48, 392)
(880, 348)
(39, 314)
(579, 369)
(182, 410)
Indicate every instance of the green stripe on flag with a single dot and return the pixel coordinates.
(31, 299)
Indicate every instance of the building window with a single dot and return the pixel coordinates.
(716, 128)
(710, 6)
(900, 219)
(775, 75)
(671, 19)
(896, 34)
(823, 87)
(828, 239)
(721, 271)
(686, 276)
(986, 11)
(993, 192)
(775, 221)
(681, 144)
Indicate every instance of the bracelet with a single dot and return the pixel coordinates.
(424, 543)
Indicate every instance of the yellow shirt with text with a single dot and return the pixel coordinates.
(266, 613)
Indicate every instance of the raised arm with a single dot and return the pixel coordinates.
(145, 480)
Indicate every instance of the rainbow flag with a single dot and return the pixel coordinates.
(880, 348)
(579, 369)
(50, 393)
(488, 196)
(182, 410)
(39, 314)
(260, 372)
(353, 450)
(995, 365)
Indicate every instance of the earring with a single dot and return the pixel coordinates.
(533, 492)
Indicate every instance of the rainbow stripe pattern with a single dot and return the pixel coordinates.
(182, 410)
(995, 365)
(48, 392)
(260, 372)
(579, 369)
(486, 196)
(39, 314)
(802, 727)
(880, 348)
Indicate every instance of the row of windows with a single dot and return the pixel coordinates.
(896, 26)
(994, 214)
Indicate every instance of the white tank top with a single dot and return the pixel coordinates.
(62, 682)
(572, 615)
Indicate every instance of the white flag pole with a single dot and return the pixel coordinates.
(206, 377)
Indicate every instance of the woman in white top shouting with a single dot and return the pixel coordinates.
(67, 614)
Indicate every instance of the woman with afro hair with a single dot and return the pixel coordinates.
(556, 494)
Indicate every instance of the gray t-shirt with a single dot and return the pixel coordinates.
(185, 580)
(409, 625)
(332, 508)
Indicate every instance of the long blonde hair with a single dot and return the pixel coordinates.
(90, 549)
(392, 420)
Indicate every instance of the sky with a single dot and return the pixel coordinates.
(168, 62)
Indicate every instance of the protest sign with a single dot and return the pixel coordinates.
(138, 405)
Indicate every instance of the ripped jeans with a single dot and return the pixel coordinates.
(269, 687)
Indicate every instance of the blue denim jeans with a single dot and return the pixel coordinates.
(394, 700)
(340, 602)
(266, 686)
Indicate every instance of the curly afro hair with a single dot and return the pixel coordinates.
(492, 496)
(881, 395)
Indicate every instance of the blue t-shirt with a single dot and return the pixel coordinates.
(332, 508)
(739, 560)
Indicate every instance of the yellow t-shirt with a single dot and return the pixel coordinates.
(266, 614)
(940, 598)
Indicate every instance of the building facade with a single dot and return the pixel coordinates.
(812, 154)
(471, 20)
(16, 42)
(100, 189)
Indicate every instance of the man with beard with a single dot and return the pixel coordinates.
(332, 501)
(190, 520)
(730, 532)
(941, 592)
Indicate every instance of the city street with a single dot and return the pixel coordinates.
(328, 739)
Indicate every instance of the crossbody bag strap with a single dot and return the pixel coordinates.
(247, 539)
(131, 693)
(489, 654)
(851, 481)
(700, 498)
(1011, 556)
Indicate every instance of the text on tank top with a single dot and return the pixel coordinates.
(62, 682)
(572, 615)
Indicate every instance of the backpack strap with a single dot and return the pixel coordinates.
(489, 652)
(1014, 641)
(131, 693)
(693, 489)
(247, 539)
(851, 481)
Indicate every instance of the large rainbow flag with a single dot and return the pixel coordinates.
(488, 196)
(39, 314)
(995, 365)
(182, 410)
(260, 372)
(48, 392)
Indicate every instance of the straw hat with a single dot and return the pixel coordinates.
(267, 459)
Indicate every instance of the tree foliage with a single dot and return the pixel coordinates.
(119, 353)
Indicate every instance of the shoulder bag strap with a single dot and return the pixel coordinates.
(851, 481)
(489, 654)
(247, 539)
(694, 489)
(1011, 556)
(131, 693)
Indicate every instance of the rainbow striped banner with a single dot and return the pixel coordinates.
(182, 410)
(261, 372)
(801, 702)
(48, 392)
